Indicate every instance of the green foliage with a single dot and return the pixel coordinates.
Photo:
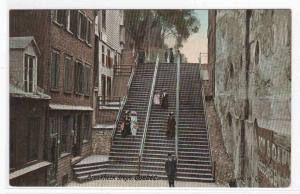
(177, 23)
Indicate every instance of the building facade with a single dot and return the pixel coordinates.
(251, 55)
(110, 33)
(28, 113)
(65, 72)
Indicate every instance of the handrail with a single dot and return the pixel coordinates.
(148, 114)
(177, 106)
(206, 123)
(124, 100)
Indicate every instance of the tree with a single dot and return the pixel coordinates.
(177, 23)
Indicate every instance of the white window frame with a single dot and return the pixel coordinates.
(79, 24)
(26, 63)
(89, 30)
(68, 21)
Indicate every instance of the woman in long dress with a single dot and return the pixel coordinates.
(134, 123)
(156, 98)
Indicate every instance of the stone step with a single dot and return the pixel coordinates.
(123, 158)
(90, 166)
(162, 151)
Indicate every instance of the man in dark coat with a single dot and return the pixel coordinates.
(171, 168)
(126, 123)
(171, 126)
(141, 56)
(171, 56)
(164, 99)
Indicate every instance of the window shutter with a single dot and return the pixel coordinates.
(53, 70)
(66, 74)
(71, 76)
(76, 77)
(81, 79)
(57, 70)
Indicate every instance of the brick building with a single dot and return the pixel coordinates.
(28, 112)
(65, 72)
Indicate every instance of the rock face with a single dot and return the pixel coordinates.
(252, 92)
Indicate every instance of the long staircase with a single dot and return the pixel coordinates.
(157, 146)
(194, 160)
(123, 158)
(147, 152)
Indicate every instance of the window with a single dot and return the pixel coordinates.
(79, 77)
(64, 134)
(115, 60)
(103, 56)
(109, 87)
(104, 19)
(60, 16)
(55, 69)
(53, 132)
(86, 127)
(86, 80)
(88, 31)
(103, 87)
(32, 138)
(68, 78)
(73, 21)
(82, 26)
(108, 58)
(29, 66)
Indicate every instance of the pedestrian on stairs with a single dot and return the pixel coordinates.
(126, 123)
(166, 56)
(141, 56)
(171, 168)
(171, 126)
(164, 99)
(171, 56)
(134, 123)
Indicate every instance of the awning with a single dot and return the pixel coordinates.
(69, 107)
(28, 169)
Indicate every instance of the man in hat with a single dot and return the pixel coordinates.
(171, 126)
(164, 99)
(141, 56)
(126, 123)
(171, 56)
(170, 168)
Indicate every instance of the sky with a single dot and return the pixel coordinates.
(197, 42)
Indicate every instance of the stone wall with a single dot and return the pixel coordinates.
(252, 73)
(86, 149)
(101, 141)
